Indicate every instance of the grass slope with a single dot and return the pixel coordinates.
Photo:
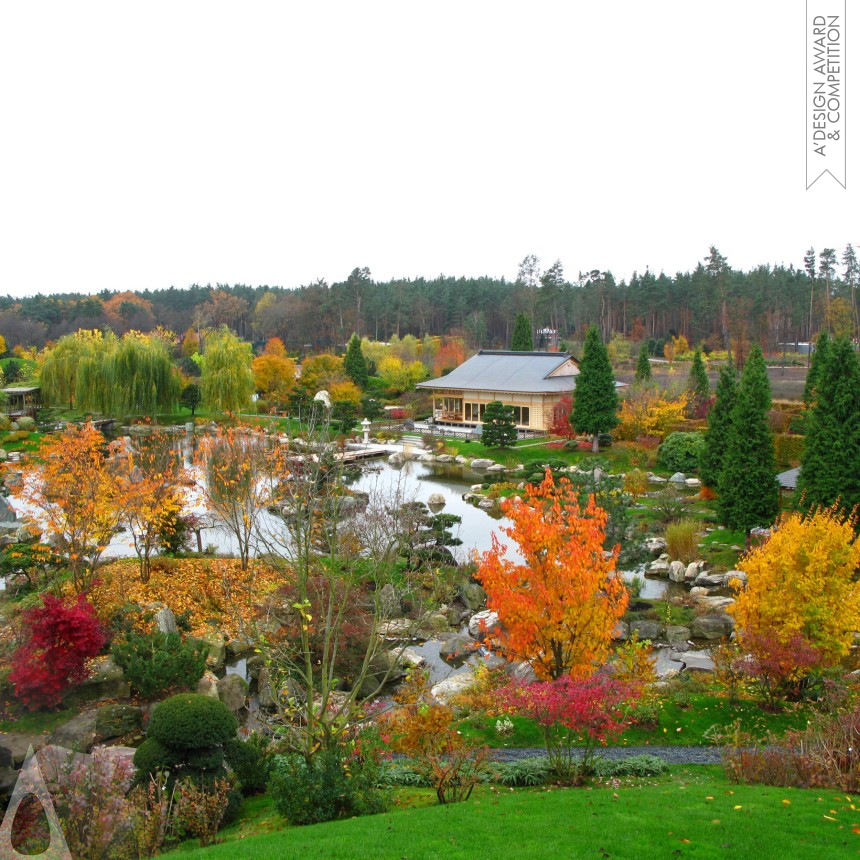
(699, 815)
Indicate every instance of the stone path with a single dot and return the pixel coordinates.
(670, 754)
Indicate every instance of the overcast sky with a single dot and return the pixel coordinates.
(169, 143)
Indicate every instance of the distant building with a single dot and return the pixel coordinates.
(22, 400)
(533, 383)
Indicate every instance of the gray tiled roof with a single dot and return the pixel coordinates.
(788, 480)
(492, 370)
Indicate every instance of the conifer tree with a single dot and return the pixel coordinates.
(819, 357)
(829, 464)
(354, 364)
(748, 492)
(499, 429)
(643, 366)
(698, 385)
(719, 428)
(595, 402)
(522, 340)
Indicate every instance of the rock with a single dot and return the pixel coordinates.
(389, 602)
(694, 568)
(386, 667)
(398, 628)
(238, 647)
(677, 571)
(696, 661)
(254, 664)
(265, 694)
(473, 595)
(8, 779)
(658, 568)
(456, 614)
(678, 478)
(482, 463)
(436, 500)
(655, 479)
(693, 482)
(7, 512)
(486, 504)
(427, 458)
(621, 631)
(655, 545)
(445, 690)
(676, 634)
(736, 576)
(437, 622)
(217, 650)
(463, 461)
(711, 579)
(646, 629)
(114, 721)
(412, 658)
(713, 626)
(78, 734)
(483, 623)
(457, 649)
(233, 692)
(106, 681)
(166, 621)
(15, 745)
(443, 458)
(396, 459)
(699, 591)
(208, 685)
(496, 468)
(522, 671)
(715, 602)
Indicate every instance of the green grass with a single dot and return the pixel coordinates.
(38, 722)
(695, 813)
(684, 719)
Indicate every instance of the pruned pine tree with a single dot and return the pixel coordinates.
(595, 402)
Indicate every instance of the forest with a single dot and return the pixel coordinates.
(712, 304)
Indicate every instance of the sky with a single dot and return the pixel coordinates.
(158, 144)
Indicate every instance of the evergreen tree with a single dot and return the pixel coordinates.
(522, 340)
(698, 385)
(499, 429)
(643, 366)
(595, 402)
(829, 464)
(719, 428)
(819, 357)
(354, 364)
(748, 492)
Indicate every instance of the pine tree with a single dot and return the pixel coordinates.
(748, 492)
(828, 467)
(719, 428)
(522, 340)
(354, 364)
(595, 402)
(643, 366)
(819, 357)
(499, 429)
(698, 384)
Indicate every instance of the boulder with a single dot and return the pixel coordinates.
(217, 653)
(233, 692)
(677, 571)
(655, 479)
(483, 623)
(166, 621)
(445, 690)
(265, 694)
(714, 625)
(699, 591)
(427, 458)
(696, 661)
(694, 569)
(436, 622)
(710, 579)
(676, 634)
(693, 482)
(486, 504)
(621, 631)
(678, 478)
(386, 667)
(646, 629)
(389, 602)
(463, 461)
(436, 500)
(457, 649)
(714, 603)
(655, 545)
(522, 671)
(78, 734)
(736, 576)
(238, 647)
(208, 685)
(15, 745)
(114, 721)
(398, 628)
(496, 468)
(106, 681)
(443, 458)
(482, 463)
(660, 567)
(7, 512)
(396, 459)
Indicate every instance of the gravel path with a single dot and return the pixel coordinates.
(672, 755)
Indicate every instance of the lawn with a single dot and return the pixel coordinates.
(694, 813)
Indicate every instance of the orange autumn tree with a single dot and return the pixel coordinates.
(559, 608)
(75, 498)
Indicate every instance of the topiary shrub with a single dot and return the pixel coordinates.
(187, 737)
(155, 662)
(680, 452)
(249, 762)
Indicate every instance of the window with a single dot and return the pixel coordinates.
(475, 411)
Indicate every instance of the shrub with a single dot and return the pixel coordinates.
(680, 452)
(25, 422)
(155, 662)
(59, 639)
(322, 789)
(522, 773)
(788, 449)
(247, 759)
(668, 504)
(635, 765)
(200, 809)
(682, 540)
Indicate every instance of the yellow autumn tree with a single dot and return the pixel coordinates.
(557, 609)
(647, 411)
(801, 582)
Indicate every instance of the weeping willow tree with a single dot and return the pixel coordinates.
(226, 381)
(73, 356)
(140, 376)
